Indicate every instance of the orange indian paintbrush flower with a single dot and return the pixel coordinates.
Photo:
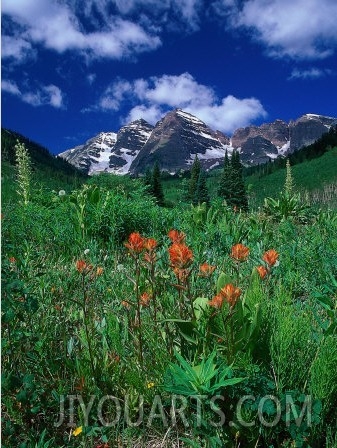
(176, 236)
(270, 257)
(135, 243)
(150, 244)
(145, 299)
(230, 293)
(240, 252)
(217, 301)
(180, 256)
(81, 266)
(262, 271)
(206, 270)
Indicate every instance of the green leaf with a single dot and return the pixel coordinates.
(223, 280)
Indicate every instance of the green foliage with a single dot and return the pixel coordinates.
(231, 186)
(81, 332)
(289, 204)
(157, 188)
(201, 193)
(195, 173)
(24, 172)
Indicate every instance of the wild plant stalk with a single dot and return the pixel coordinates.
(139, 323)
(289, 182)
(24, 171)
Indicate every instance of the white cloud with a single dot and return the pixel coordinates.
(311, 73)
(91, 77)
(10, 87)
(56, 26)
(45, 95)
(16, 48)
(151, 113)
(299, 29)
(151, 99)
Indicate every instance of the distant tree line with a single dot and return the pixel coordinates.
(313, 151)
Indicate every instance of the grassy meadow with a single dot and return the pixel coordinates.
(125, 324)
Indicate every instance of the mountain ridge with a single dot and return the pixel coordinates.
(179, 136)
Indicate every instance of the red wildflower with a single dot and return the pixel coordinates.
(81, 266)
(270, 257)
(176, 236)
(240, 252)
(145, 299)
(262, 271)
(217, 301)
(182, 274)
(135, 243)
(150, 244)
(12, 260)
(230, 293)
(180, 256)
(206, 270)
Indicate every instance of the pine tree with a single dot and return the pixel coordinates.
(148, 181)
(232, 187)
(225, 186)
(238, 190)
(195, 172)
(157, 188)
(201, 193)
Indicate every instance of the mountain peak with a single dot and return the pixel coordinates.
(179, 136)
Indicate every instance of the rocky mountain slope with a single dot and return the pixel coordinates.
(179, 136)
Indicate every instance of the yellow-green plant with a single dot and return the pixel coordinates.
(24, 171)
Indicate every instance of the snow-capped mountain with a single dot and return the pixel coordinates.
(110, 152)
(176, 139)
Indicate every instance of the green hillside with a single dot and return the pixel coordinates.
(316, 177)
(49, 171)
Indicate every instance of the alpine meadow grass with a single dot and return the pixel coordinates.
(129, 324)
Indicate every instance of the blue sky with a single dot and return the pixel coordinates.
(74, 68)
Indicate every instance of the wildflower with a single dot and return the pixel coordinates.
(182, 274)
(270, 257)
(150, 244)
(12, 260)
(176, 236)
(180, 256)
(81, 266)
(206, 270)
(240, 252)
(77, 431)
(262, 271)
(230, 294)
(125, 304)
(62, 193)
(86, 251)
(217, 301)
(150, 385)
(145, 299)
(135, 243)
(99, 271)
